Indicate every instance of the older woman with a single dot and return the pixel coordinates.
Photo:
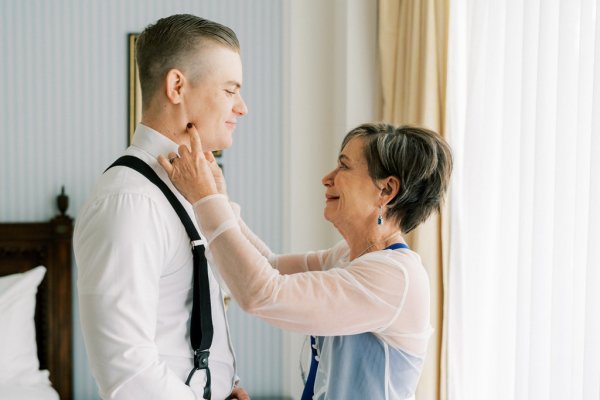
(367, 297)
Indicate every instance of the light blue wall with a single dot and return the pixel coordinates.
(63, 119)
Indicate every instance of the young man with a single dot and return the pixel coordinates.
(133, 254)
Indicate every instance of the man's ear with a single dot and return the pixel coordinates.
(173, 85)
(390, 188)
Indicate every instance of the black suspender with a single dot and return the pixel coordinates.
(201, 329)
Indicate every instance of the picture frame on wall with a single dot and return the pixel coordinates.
(135, 92)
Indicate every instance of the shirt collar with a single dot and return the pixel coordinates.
(153, 142)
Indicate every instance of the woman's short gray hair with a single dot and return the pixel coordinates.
(420, 159)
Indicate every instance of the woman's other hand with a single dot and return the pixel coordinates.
(191, 171)
(217, 173)
(239, 393)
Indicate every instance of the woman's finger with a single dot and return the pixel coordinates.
(209, 156)
(172, 156)
(184, 151)
(166, 164)
(195, 141)
(212, 164)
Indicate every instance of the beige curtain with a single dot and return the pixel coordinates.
(413, 47)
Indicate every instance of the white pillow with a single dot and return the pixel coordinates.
(18, 349)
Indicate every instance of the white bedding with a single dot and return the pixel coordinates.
(20, 376)
(40, 391)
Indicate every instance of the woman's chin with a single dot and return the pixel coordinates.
(328, 215)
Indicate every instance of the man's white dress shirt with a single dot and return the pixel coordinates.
(134, 282)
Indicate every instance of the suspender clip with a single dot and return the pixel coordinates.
(201, 359)
(201, 362)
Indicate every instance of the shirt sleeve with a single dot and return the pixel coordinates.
(362, 297)
(120, 250)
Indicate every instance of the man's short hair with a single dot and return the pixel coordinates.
(172, 42)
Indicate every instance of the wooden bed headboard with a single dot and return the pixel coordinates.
(24, 246)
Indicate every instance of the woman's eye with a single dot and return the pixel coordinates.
(230, 92)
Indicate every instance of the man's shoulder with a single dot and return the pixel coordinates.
(122, 196)
(124, 181)
(123, 203)
(120, 183)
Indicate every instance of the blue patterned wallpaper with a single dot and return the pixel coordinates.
(63, 119)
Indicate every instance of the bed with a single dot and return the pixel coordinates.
(23, 247)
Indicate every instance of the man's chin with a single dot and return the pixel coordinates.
(225, 144)
(217, 146)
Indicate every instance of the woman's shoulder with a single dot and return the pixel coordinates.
(405, 259)
(401, 279)
(391, 267)
(394, 263)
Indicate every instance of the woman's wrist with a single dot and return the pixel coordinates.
(209, 197)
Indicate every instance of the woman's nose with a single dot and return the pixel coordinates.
(328, 179)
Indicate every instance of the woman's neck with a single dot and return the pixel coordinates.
(377, 238)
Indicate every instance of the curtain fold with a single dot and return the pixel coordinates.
(523, 115)
(412, 46)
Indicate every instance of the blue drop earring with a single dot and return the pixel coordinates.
(380, 216)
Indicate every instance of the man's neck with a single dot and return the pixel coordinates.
(165, 128)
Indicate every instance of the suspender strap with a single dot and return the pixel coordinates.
(201, 328)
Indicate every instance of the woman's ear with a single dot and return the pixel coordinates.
(173, 85)
(390, 188)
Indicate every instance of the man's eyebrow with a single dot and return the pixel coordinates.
(234, 83)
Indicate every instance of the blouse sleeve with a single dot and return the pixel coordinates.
(286, 263)
(366, 296)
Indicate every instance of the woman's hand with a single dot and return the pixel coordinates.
(191, 171)
(239, 393)
(216, 172)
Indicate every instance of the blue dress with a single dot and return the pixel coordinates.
(364, 367)
(361, 367)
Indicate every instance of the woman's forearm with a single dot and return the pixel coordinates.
(285, 263)
(307, 303)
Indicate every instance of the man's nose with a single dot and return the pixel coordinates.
(240, 107)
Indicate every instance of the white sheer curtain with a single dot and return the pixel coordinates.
(523, 117)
